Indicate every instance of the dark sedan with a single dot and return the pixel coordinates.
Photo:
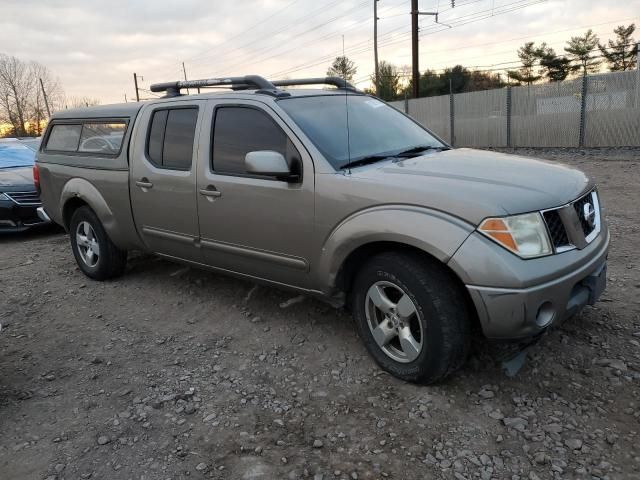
(19, 199)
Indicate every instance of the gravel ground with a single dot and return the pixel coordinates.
(172, 373)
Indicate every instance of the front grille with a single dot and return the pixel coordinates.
(589, 224)
(556, 228)
(25, 198)
(579, 207)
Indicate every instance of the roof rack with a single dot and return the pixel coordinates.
(248, 82)
(335, 81)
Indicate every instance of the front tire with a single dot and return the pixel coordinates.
(95, 253)
(412, 316)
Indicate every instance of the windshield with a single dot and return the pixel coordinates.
(14, 154)
(374, 127)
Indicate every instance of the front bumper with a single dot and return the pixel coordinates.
(551, 289)
(17, 218)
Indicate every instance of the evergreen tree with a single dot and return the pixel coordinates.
(621, 54)
(583, 49)
(342, 67)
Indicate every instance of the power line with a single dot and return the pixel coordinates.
(466, 19)
(255, 55)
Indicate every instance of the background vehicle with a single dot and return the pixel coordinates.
(335, 194)
(19, 199)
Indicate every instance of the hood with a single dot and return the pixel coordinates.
(474, 184)
(16, 179)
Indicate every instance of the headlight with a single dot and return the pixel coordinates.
(525, 235)
(3, 197)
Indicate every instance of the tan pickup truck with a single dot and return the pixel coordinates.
(335, 194)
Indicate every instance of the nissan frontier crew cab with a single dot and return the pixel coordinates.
(335, 194)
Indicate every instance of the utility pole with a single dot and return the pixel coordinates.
(135, 81)
(375, 43)
(46, 101)
(414, 48)
(415, 12)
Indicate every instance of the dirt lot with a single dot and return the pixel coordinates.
(172, 373)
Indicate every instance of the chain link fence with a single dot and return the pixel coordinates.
(596, 111)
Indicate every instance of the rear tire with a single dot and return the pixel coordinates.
(95, 253)
(412, 315)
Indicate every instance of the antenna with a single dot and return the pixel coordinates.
(346, 105)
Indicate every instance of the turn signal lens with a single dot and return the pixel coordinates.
(525, 235)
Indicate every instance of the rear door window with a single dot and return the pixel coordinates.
(171, 138)
(64, 138)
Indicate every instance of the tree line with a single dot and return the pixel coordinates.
(28, 92)
(583, 54)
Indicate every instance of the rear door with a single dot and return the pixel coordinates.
(163, 178)
(254, 225)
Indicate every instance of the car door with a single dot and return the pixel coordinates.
(255, 225)
(163, 179)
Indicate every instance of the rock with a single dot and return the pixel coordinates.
(516, 423)
(612, 363)
(103, 440)
(573, 443)
(209, 417)
(201, 467)
(318, 443)
(486, 393)
(553, 428)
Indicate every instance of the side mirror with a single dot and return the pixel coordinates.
(270, 163)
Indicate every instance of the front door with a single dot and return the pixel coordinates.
(255, 225)
(163, 179)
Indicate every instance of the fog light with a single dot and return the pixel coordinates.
(545, 315)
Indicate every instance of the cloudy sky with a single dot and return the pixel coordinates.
(94, 47)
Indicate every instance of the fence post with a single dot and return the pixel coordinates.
(509, 116)
(406, 103)
(452, 115)
(583, 111)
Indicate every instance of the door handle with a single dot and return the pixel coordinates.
(144, 183)
(210, 191)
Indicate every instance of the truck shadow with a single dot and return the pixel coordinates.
(34, 233)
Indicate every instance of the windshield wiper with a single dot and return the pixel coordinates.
(365, 161)
(410, 152)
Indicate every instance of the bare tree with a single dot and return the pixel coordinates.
(80, 102)
(47, 97)
(23, 87)
(16, 87)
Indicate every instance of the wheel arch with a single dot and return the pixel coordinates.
(79, 192)
(359, 257)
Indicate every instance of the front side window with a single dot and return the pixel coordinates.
(64, 138)
(240, 130)
(347, 128)
(171, 137)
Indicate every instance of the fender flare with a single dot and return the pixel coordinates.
(85, 191)
(432, 231)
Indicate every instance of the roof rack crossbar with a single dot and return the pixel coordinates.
(335, 81)
(173, 88)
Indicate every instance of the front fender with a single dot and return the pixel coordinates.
(431, 231)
